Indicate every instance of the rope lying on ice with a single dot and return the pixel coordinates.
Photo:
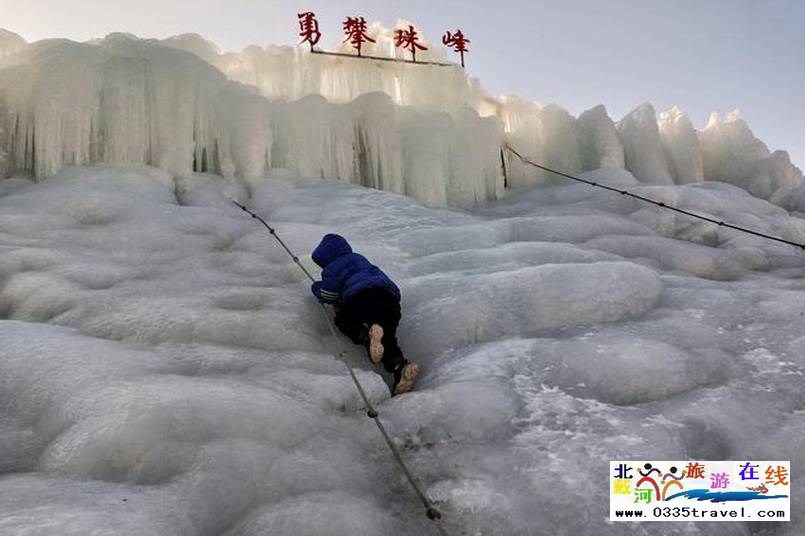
(431, 511)
(653, 202)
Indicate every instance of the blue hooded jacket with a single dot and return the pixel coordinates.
(345, 273)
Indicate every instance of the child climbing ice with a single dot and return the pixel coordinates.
(367, 306)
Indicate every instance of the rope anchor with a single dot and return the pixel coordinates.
(430, 511)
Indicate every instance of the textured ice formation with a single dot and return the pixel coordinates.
(428, 132)
(730, 150)
(289, 73)
(124, 100)
(598, 140)
(547, 136)
(165, 370)
(733, 154)
(680, 145)
(642, 146)
(516, 300)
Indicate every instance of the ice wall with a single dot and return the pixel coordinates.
(664, 151)
(429, 132)
(433, 157)
(125, 100)
(285, 72)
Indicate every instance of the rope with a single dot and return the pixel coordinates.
(381, 58)
(655, 203)
(431, 511)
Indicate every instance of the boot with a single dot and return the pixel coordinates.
(405, 377)
(375, 345)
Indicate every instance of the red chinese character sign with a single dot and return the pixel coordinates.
(407, 39)
(309, 28)
(355, 30)
(458, 42)
(357, 33)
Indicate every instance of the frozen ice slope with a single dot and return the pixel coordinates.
(164, 370)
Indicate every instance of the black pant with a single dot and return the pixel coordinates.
(373, 306)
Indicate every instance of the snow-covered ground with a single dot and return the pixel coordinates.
(165, 371)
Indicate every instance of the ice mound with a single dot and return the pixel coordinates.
(334, 514)
(505, 258)
(19, 446)
(155, 436)
(673, 255)
(548, 228)
(166, 371)
(471, 309)
(633, 371)
(73, 508)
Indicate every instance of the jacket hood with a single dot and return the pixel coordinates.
(330, 248)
